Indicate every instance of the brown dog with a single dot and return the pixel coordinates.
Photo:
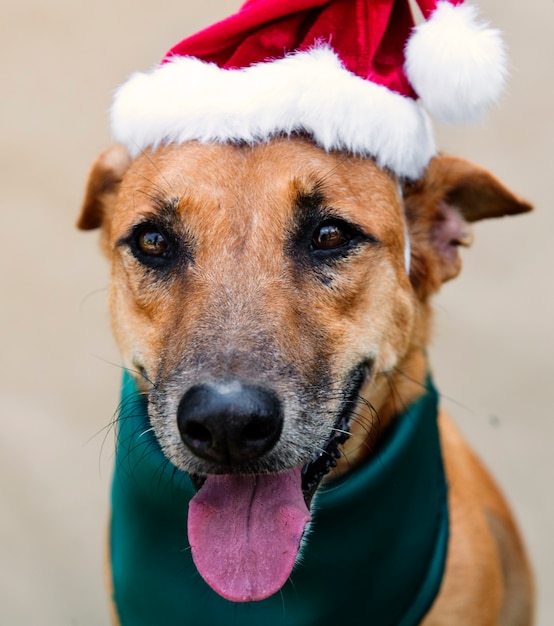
(275, 275)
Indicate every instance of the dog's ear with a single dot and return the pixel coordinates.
(440, 207)
(103, 183)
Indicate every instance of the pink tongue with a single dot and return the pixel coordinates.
(245, 532)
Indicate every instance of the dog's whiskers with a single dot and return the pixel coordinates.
(91, 294)
(139, 372)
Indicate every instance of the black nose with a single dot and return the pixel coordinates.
(229, 423)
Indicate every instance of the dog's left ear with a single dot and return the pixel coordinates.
(440, 207)
(104, 179)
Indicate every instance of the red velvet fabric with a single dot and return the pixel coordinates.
(369, 36)
(428, 6)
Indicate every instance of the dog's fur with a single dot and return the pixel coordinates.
(244, 296)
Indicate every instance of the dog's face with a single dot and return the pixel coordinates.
(278, 267)
(262, 295)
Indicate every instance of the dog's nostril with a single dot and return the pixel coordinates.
(197, 432)
(257, 431)
(229, 424)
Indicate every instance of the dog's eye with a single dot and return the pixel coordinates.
(332, 234)
(151, 241)
(152, 245)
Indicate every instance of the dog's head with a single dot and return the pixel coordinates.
(263, 297)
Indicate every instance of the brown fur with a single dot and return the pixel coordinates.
(243, 301)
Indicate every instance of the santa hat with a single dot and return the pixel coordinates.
(347, 73)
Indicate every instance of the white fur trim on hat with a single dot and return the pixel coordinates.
(456, 64)
(188, 99)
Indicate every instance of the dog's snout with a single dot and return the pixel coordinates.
(230, 423)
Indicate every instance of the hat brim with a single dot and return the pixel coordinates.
(306, 92)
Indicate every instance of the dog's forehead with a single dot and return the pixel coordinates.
(262, 180)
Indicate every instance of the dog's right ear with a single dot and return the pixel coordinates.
(440, 208)
(103, 183)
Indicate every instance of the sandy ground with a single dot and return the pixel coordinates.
(59, 370)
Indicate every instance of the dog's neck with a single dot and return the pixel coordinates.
(375, 550)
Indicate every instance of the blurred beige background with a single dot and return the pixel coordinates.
(493, 353)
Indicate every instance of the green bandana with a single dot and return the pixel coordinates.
(375, 551)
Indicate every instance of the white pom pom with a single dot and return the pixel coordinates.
(456, 64)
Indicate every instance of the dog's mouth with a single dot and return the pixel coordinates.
(245, 531)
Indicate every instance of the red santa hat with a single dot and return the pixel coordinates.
(347, 73)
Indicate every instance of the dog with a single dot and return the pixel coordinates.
(272, 304)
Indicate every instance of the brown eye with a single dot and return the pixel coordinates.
(153, 245)
(151, 242)
(330, 235)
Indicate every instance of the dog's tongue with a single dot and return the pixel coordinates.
(245, 532)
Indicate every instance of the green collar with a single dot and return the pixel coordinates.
(375, 552)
